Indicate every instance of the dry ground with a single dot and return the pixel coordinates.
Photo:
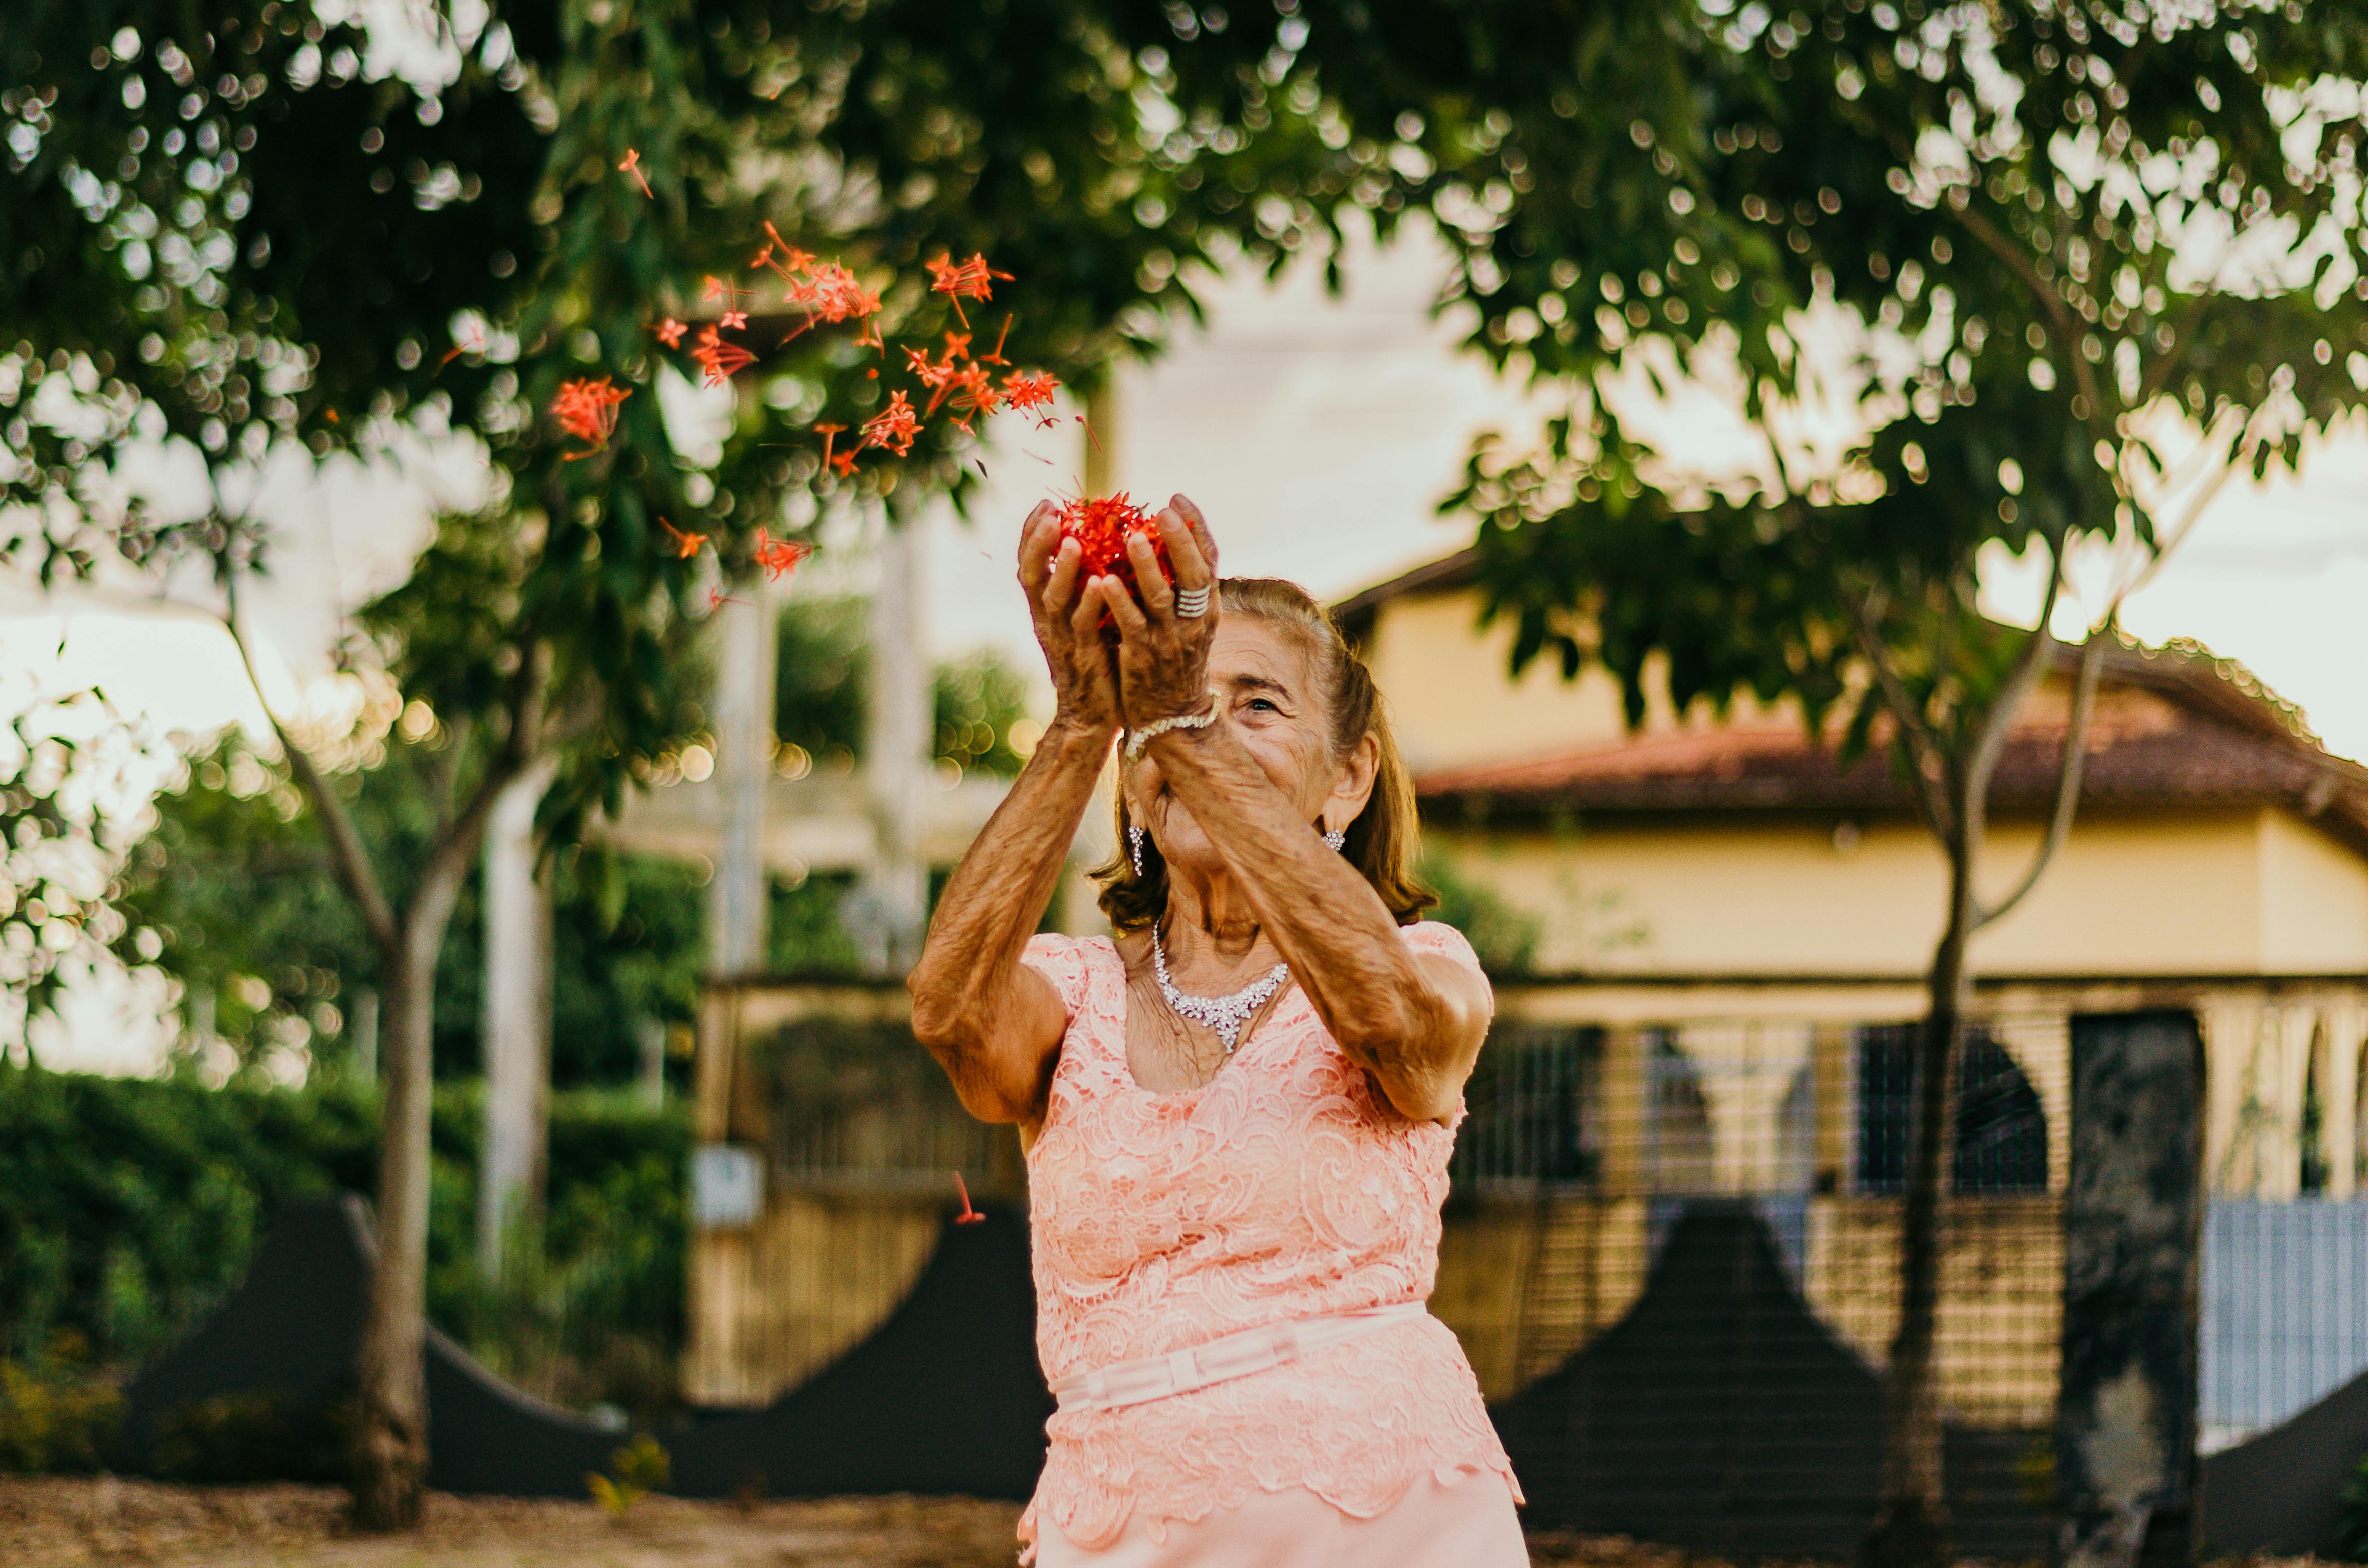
(58, 1522)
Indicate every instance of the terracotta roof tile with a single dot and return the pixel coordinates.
(1769, 765)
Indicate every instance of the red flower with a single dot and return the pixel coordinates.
(894, 427)
(974, 394)
(718, 288)
(963, 280)
(779, 557)
(969, 1216)
(473, 343)
(670, 332)
(1027, 393)
(734, 320)
(792, 259)
(685, 545)
(1102, 525)
(939, 376)
(832, 293)
(722, 361)
(587, 411)
(632, 165)
(829, 433)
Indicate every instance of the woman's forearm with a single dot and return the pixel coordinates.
(997, 894)
(1379, 998)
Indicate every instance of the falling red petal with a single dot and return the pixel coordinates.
(632, 165)
(969, 1216)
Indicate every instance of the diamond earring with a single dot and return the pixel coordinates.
(1333, 838)
(1134, 846)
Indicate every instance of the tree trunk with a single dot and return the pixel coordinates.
(1912, 1527)
(388, 1453)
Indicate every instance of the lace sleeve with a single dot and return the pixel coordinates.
(1438, 937)
(1062, 961)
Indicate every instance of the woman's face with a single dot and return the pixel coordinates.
(1267, 692)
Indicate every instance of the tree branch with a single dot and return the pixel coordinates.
(2068, 783)
(1990, 742)
(1923, 747)
(2241, 450)
(2067, 788)
(2067, 329)
(348, 858)
(457, 839)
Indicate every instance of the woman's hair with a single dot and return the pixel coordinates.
(1380, 842)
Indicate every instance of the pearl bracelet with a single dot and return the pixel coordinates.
(1138, 739)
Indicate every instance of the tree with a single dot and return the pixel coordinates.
(2102, 259)
(231, 893)
(223, 236)
(235, 894)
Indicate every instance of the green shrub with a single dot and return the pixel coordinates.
(129, 1209)
(263, 1435)
(2352, 1518)
(639, 1470)
(62, 1418)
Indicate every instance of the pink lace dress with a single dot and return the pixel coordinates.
(1286, 1187)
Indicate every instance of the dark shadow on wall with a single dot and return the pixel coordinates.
(1720, 1416)
(2281, 1492)
(943, 1398)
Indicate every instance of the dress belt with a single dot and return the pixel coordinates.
(1221, 1360)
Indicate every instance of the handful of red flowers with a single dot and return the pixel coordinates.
(1101, 524)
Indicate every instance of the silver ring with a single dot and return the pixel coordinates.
(1191, 603)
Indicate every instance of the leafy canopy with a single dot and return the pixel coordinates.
(224, 231)
(2101, 249)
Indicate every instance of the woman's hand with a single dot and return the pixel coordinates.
(1162, 658)
(1068, 625)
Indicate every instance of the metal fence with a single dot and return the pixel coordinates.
(2285, 1309)
(1671, 1253)
(1674, 1252)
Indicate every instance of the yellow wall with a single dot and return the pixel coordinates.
(2314, 915)
(1451, 700)
(2129, 894)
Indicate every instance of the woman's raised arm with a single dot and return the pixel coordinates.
(1415, 1020)
(992, 1023)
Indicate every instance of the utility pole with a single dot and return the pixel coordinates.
(739, 895)
(889, 910)
(514, 1025)
(1101, 433)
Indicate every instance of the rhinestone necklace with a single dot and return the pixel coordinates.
(1224, 1016)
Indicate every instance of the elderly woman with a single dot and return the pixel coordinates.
(1237, 1113)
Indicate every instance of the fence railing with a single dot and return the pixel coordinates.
(2285, 1309)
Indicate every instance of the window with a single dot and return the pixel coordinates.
(2001, 1131)
(1530, 1107)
